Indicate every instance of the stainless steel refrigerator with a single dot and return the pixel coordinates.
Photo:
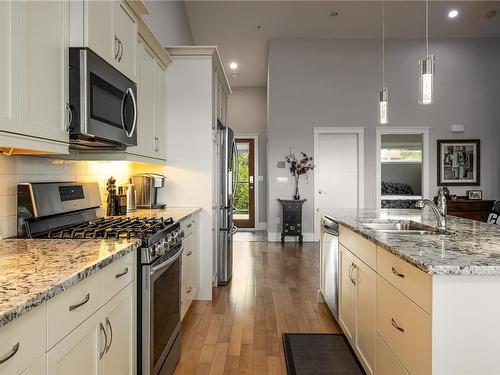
(228, 177)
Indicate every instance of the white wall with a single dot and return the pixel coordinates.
(334, 82)
(169, 22)
(247, 113)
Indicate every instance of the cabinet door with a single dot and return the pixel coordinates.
(44, 69)
(100, 20)
(37, 368)
(118, 315)
(160, 111)
(79, 352)
(366, 282)
(9, 65)
(145, 93)
(347, 313)
(126, 32)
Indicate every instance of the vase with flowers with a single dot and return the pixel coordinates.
(299, 166)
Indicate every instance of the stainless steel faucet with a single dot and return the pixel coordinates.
(440, 210)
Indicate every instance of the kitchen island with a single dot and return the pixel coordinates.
(419, 303)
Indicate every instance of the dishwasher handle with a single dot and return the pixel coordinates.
(330, 226)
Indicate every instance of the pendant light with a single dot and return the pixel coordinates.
(383, 95)
(426, 67)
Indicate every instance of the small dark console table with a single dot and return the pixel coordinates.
(292, 218)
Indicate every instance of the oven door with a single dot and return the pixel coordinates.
(161, 296)
(106, 112)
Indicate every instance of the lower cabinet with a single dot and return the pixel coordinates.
(190, 264)
(102, 344)
(358, 306)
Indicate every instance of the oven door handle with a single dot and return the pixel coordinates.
(167, 263)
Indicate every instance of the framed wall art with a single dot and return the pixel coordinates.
(458, 162)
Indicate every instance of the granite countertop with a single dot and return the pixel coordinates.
(470, 247)
(34, 271)
(177, 213)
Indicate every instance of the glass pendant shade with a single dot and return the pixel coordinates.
(383, 106)
(426, 80)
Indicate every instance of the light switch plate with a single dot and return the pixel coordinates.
(282, 180)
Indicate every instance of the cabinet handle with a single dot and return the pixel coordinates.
(70, 117)
(189, 225)
(189, 253)
(395, 272)
(395, 325)
(351, 270)
(189, 290)
(118, 275)
(157, 144)
(117, 48)
(120, 49)
(108, 324)
(10, 354)
(80, 304)
(101, 354)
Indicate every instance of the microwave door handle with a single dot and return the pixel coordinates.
(134, 103)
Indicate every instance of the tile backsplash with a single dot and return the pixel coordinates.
(17, 169)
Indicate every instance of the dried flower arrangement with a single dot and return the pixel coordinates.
(298, 167)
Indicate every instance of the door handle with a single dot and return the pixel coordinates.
(101, 354)
(321, 192)
(108, 324)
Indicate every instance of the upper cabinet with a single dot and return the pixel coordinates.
(33, 76)
(109, 28)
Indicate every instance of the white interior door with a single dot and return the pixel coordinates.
(337, 172)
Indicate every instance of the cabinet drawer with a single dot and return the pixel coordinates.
(359, 246)
(70, 308)
(189, 254)
(24, 340)
(412, 282)
(118, 275)
(386, 362)
(188, 226)
(405, 327)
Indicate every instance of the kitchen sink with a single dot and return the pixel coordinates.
(403, 227)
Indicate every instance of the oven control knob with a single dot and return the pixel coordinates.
(170, 240)
(161, 248)
(181, 234)
(154, 251)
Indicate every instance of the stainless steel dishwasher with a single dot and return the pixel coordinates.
(330, 264)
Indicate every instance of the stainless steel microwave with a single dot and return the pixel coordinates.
(103, 104)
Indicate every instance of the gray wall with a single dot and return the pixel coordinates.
(169, 22)
(334, 82)
(247, 113)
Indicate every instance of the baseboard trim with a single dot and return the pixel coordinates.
(276, 237)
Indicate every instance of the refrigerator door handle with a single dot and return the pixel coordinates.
(236, 165)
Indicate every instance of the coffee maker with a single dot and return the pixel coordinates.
(147, 186)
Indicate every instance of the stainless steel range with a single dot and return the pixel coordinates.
(71, 211)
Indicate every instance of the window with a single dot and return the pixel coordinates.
(401, 154)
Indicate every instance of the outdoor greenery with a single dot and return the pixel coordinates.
(241, 199)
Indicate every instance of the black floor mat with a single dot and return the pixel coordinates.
(319, 354)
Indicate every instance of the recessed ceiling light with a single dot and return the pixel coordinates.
(453, 13)
(233, 65)
(491, 14)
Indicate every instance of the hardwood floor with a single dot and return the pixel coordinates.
(273, 290)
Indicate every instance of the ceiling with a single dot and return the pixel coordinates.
(234, 25)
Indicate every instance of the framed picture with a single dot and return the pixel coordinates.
(475, 195)
(458, 162)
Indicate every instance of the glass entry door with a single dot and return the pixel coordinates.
(244, 199)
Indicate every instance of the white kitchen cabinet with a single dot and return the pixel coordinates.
(100, 22)
(126, 34)
(347, 311)
(160, 129)
(358, 283)
(146, 98)
(118, 317)
(109, 28)
(81, 351)
(103, 344)
(37, 368)
(190, 264)
(366, 307)
(33, 76)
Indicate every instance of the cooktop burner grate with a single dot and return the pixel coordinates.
(112, 228)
